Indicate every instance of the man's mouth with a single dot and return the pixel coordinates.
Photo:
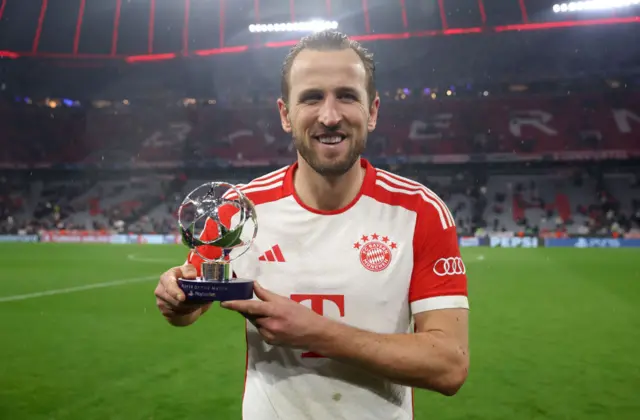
(330, 138)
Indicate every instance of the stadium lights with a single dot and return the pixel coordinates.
(578, 6)
(309, 26)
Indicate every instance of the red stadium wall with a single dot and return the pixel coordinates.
(527, 128)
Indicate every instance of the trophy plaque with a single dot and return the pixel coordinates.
(202, 209)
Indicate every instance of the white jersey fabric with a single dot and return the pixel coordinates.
(393, 252)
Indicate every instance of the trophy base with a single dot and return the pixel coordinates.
(199, 291)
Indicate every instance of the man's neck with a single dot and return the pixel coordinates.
(327, 193)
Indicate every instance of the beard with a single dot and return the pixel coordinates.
(332, 167)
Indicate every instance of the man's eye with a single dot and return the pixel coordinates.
(348, 97)
(311, 99)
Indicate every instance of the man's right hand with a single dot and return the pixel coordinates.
(171, 300)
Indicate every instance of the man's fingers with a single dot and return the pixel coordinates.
(255, 308)
(189, 272)
(267, 336)
(163, 296)
(262, 293)
(169, 281)
(171, 300)
(165, 307)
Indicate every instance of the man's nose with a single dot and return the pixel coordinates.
(329, 113)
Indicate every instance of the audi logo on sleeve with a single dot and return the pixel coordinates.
(449, 267)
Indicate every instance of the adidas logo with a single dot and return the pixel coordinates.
(272, 255)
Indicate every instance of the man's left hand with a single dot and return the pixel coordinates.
(279, 320)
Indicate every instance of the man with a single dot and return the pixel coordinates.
(361, 293)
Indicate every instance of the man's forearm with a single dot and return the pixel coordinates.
(184, 320)
(424, 360)
(178, 320)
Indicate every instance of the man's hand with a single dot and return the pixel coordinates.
(171, 300)
(436, 357)
(279, 320)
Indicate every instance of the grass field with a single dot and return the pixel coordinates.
(555, 333)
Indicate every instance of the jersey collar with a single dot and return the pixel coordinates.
(367, 187)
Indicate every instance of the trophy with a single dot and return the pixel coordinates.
(203, 208)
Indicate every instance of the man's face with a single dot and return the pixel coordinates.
(328, 113)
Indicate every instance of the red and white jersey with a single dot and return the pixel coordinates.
(390, 254)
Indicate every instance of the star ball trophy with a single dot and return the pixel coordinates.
(202, 208)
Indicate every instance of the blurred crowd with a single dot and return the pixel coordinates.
(127, 133)
(143, 150)
(482, 203)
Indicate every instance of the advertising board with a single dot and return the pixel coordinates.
(592, 242)
(513, 242)
(18, 238)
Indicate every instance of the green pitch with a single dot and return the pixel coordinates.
(555, 334)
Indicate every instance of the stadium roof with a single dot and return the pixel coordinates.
(148, 30)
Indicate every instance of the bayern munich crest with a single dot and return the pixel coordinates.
(376, 251)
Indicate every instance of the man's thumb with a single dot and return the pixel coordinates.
(189, 272)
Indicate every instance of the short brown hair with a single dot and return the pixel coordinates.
(324, 41)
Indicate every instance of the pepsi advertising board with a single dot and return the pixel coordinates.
(513, 242)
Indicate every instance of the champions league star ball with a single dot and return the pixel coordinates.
(207, 208)
(218, 223)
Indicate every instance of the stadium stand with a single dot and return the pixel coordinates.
(560, 203)
(522, 125)
(158, 140)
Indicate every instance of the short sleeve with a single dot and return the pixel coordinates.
(209, 233)
(439, 277)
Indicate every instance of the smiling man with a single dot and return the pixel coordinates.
(361, 293)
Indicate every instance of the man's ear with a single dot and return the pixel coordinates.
(285, 119)
(373, 113)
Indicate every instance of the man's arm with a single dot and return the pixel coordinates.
(436, 357)
(185, 320)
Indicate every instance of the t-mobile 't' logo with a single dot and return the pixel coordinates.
(318, 306)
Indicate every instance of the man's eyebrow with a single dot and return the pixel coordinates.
(340, 90)
(310, 91)
(348, 89)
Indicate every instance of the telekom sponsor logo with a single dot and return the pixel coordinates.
(318, 303)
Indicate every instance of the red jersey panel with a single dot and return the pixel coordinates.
(438, 278)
